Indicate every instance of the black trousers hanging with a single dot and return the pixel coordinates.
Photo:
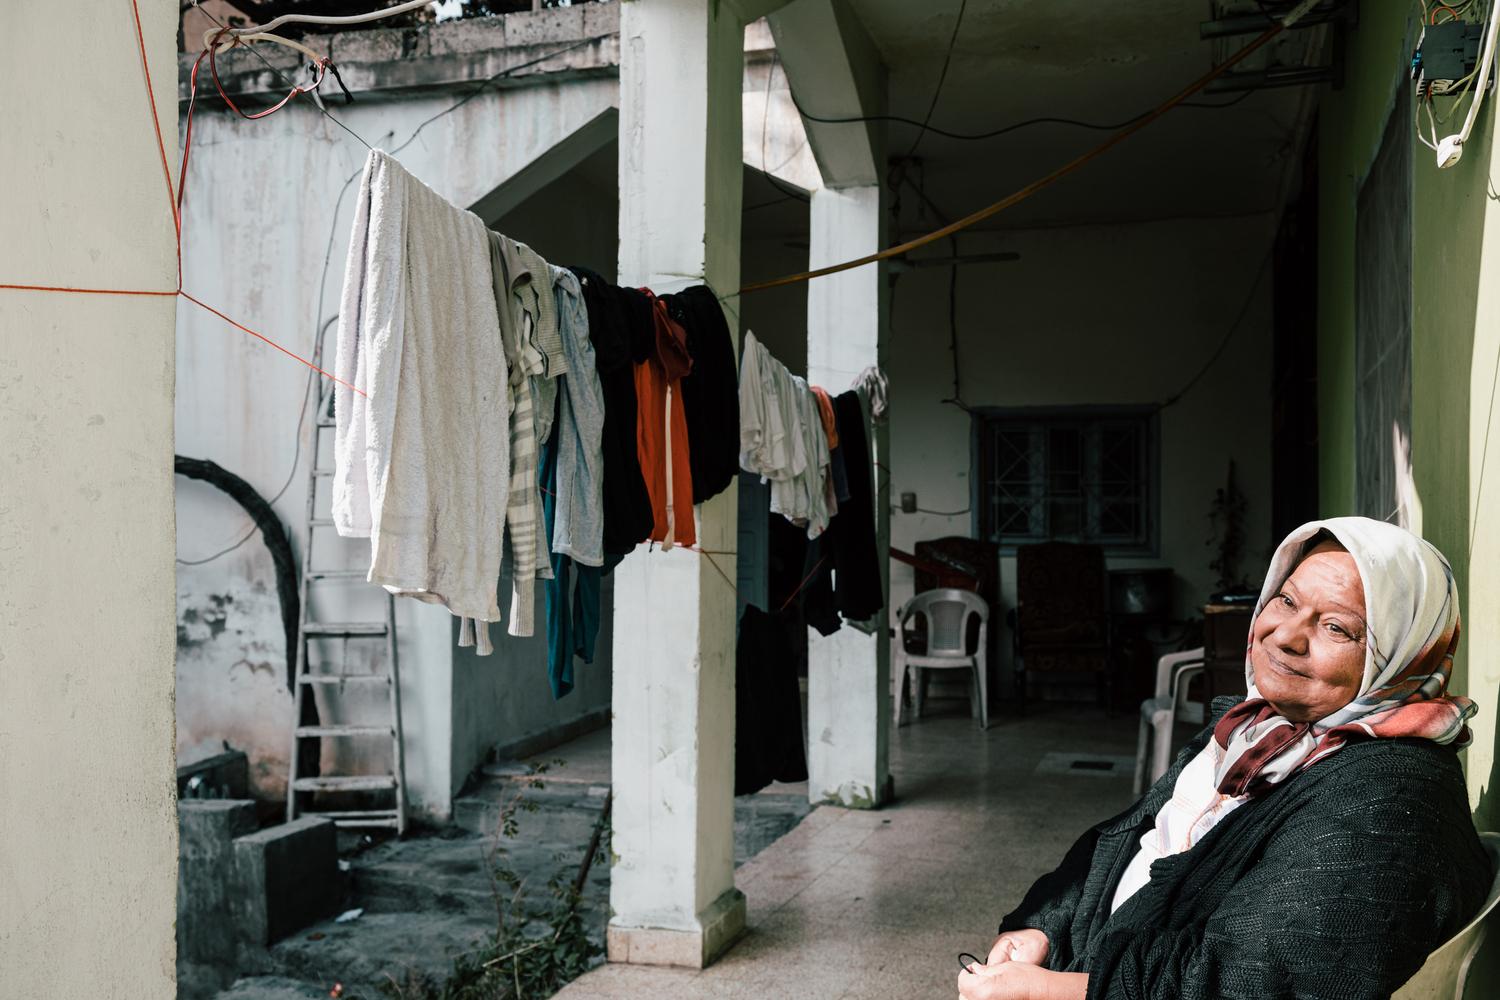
(768, 703)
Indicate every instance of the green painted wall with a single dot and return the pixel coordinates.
(1456, 292)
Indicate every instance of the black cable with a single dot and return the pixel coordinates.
(937, 91)
(484, 84)
(1228, 334)
(958, 394)
(1046, 120)
(764, 120)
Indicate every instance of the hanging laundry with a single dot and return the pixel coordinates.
(782, 438)
(805, 500)
(856, 556)
(572, 624)
(579, 528)
(846, 577)
(825, 414)
(710, 392)
(627, 513)
(422, 459)
(768, 727)
(769, 446)
(831, 437)
(529, 557)
(874, 390)
(661, 430)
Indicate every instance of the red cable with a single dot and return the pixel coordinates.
(187, 145)
(213, 68)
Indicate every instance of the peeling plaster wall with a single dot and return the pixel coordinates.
(88, 830)
(229, 640)
(1092, 315)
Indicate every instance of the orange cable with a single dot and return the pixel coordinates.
(268, 340)
(87, 291)
(161, 147)
(1034, 186)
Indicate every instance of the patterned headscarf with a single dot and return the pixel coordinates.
(1411, 615)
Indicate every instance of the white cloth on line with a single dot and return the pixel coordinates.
(422, 457)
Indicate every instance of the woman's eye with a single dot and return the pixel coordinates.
(1340, 630)
(1285, 600)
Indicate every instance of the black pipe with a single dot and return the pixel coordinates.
(272, 533)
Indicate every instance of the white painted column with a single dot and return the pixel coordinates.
(672, 886)
(848, 673)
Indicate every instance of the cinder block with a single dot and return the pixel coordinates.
(206, 937)
(286, 878)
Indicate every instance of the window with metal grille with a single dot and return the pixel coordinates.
(1069, 475)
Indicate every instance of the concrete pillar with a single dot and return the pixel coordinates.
(672, 886)
(848, 673)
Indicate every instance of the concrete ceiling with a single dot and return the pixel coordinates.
(1098, 62)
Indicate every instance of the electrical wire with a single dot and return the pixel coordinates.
(943, 513)
(1229, 333)
(937, 91)
(765, 119)
(1006, 129)
(1052, 177)
(284, 78)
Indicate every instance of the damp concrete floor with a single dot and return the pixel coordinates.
(842, 903)
(417, 905)
(878, 904)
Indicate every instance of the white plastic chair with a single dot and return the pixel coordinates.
(1160, 712)
(947, 612)
(1443, 975)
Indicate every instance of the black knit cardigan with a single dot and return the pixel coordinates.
(1335, 884)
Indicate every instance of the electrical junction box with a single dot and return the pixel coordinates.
(1448, 56)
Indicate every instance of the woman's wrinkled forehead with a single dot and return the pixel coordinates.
(1328, 571)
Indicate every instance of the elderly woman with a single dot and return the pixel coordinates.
(1315, 840)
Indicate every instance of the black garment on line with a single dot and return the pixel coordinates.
(627, 505)
(768, 704)
(851, 534)
(710, 392)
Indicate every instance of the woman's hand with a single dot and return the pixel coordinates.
(1015, 980)
(1028, 947)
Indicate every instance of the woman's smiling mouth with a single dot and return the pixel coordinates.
(1280, 666)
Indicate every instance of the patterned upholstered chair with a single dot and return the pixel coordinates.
(1062, 615)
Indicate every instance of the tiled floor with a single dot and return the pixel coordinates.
(878, 904)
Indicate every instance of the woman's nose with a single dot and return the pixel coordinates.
(1291, 634)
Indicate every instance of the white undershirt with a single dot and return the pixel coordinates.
(1196, 806)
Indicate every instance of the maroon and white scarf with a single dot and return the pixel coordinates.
(1411, 613)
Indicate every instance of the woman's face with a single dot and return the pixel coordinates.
(1307, 647)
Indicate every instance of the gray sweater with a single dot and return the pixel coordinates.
(1335, 884)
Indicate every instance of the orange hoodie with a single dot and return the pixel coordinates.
(661, 431)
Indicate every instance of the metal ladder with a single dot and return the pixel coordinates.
(308, 726)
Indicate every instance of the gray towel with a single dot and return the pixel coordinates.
(422, 459)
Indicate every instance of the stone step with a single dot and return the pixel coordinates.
(361, 953)
(273, 988)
